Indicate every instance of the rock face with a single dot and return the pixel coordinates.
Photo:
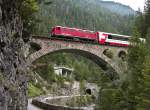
(13, 68)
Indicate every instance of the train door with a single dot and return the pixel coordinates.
(102, 37)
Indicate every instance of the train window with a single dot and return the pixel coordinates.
(117, 38)
(71, 30)
(80, 30)
(109, 37)
(64, 29)
(125, 39)
(57, 28)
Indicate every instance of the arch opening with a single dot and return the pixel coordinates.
(88, 91)
(109, 70)
(34, 47)
(108, 53)
(122, 55)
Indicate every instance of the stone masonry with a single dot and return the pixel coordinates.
(91, 51)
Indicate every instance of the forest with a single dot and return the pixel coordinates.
(84, 14)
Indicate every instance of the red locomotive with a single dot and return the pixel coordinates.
(75, 34)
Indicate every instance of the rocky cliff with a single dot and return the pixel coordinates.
(13, 81)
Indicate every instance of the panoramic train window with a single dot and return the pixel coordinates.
(109, 37)
(117, 37)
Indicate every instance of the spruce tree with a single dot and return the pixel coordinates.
(139, 66)
(147, 15)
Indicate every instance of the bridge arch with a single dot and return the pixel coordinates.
(96, 59)
(90, 51)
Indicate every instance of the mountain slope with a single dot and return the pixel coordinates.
(110, 5)
(116, 7)
(86, 14)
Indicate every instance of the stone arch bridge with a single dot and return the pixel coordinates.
(113, 64)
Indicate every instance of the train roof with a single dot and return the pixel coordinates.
(76, 29)
(116, 34)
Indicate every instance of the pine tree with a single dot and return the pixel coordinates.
(140, 24)
(147, 15)
(139, 65)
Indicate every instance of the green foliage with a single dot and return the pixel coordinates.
(91, 71)
(148, 37)
(47, 72)
(140, 24)
(111, 99)
(147, 15)
(33, 90)
(27, 8)
(139, 66)
(82, 86)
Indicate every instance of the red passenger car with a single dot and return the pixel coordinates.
(74, 34)
(113, 39)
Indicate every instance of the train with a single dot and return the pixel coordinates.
(87, 36)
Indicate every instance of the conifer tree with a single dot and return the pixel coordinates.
(139, 66)
(147, 15)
